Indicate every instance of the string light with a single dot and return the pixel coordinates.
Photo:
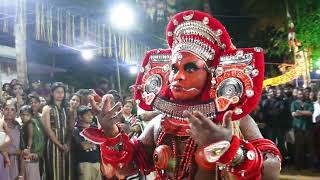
(291, 75)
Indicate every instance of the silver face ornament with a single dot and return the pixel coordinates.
(153, 84)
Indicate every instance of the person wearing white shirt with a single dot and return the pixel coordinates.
(316, 112)
(316, 130)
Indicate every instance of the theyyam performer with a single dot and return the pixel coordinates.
(204, 88)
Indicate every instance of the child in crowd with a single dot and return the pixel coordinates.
(32, 144)
(87, 154)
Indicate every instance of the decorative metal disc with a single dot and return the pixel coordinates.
(230, 87)
(153, 84)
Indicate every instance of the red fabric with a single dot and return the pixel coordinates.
(117, 158)
(94, 135)
(228, 156)
(253, 169)
(131, 150)
(138, 88)
(141, 157)
(266, 145)
(214, 24)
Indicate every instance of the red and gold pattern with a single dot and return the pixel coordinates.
(235, 84)
(243, 64)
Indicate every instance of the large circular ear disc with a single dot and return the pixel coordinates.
(230, 87)
(151, 80)
(153, 84)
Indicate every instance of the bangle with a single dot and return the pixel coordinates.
(221, 152)
(239, 158)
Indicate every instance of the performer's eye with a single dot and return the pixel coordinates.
(174, 68)
(190, 67)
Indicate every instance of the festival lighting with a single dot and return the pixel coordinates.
(122, 17)
(87, 54)
(318, 62)
(133, 69)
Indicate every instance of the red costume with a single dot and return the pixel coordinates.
(201, 71)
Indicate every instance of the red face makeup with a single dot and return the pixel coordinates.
(188, 77)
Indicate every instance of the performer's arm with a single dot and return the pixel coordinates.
(271, 164)
(251, 160)
(120, 155)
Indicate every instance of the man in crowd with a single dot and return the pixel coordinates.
(302, 110)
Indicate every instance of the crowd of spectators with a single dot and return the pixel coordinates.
(40, 128)
(32, 120)
(290, 117)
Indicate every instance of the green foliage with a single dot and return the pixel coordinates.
(308, 32)
(274, 42)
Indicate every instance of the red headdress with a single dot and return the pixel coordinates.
(236, 73)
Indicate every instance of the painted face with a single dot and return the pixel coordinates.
(9, 112)
(188, 77)
(58, 94)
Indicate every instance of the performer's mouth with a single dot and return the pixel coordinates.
(178, 88)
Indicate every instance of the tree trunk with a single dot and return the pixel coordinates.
(20, 41)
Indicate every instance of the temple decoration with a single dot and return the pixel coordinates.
(61, 27)
(302, 66)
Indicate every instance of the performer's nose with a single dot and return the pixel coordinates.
(179, 76)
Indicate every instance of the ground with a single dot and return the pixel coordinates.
(290, 174)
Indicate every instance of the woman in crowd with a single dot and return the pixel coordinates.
(54, 118)
(35, 103)
(135, 125)
(9, 115)
(6, 87)
(4, 156)
(18, 94)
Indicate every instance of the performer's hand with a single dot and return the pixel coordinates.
(108, 115)
(206, 132)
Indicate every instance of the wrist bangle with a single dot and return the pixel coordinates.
(222, 155)
(240, 156)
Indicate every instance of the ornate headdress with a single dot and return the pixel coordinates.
(236, 73)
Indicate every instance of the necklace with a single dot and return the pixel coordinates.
(175, 110)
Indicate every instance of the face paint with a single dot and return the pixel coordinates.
(187, 77)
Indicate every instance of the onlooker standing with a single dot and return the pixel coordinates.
(87, 154)
(102, 88)
(32, 143)
(302, 110)
(9, 114)
(54, 119)
(6, 87)
(269, 112)
(283, 120)
(18, 94)
(316, 129)
(295, 93)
